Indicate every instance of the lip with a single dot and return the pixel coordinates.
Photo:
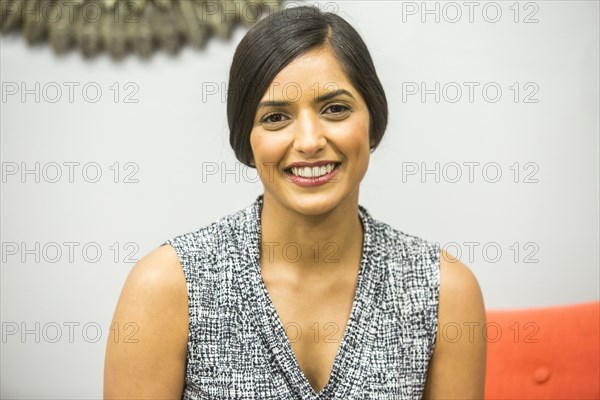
(301, 164)
(321, 180)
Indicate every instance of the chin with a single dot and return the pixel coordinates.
(315, 203)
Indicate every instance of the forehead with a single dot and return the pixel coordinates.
(315, 70)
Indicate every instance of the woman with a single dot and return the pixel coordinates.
(302, 294)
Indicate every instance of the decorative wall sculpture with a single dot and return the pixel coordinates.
(123, 26)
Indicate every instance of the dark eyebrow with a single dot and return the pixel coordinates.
(319, 99)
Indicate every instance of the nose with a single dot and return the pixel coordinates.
(309, 137)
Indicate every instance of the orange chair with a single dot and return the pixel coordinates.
(544, 353)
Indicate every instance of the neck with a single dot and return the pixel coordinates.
(324, 243)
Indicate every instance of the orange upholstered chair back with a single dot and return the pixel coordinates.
(544, 353)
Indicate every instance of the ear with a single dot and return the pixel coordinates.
(371, 141)
(372, 145)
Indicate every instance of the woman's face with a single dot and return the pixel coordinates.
(294, 123)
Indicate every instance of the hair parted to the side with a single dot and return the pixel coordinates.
(273, 43)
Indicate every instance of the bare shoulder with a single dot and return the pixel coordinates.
(155, 283)
(460, 293)
(153, 305)
(457, 367)
(159, 267)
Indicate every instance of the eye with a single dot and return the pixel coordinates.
(338, 109)
(272, 118)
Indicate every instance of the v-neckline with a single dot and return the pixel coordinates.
(271, 326)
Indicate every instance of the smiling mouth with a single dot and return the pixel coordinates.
(312, 172)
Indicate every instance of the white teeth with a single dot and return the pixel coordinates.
(314, 172)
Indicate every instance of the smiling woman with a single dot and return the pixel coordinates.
(330, 129)
(302, 294)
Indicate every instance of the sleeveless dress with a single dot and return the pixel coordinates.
(237, 345)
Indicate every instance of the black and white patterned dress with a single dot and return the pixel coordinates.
(237, 345)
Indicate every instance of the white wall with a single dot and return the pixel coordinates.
(171, 134)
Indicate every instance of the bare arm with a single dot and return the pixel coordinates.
(457, 367)
(154, 299)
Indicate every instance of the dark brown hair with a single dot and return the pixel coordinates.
(278, 39)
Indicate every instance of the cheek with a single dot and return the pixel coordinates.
(266, 147)
(355, 134)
